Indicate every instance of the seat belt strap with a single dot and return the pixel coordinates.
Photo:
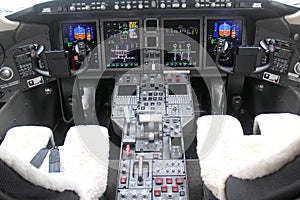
(54, 160)
(38, 159)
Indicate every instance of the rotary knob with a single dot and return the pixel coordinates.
(197, 5)
(183, 5)
(297, 68)
(72, 8)
(102, 7)
(213, 5)
(229, 5)
(162, 5)
(140, 6)
(128, 6)
(116, 7)
(87, 7)
(6, 73)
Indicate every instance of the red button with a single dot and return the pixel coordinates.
(123, 180)
(177, 79)
(158, 181)
(169, 180)
(164, 188)
(169, 80)
(179, 180)
(175, 188)
(155, 156)
(127, 149)
(157, 193)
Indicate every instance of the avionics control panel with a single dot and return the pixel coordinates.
(152, 112)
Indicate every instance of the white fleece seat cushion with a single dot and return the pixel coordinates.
(84, 159)
(84, 164)
(277, 123)
(26, 141)
(212, 127)
(245, 157)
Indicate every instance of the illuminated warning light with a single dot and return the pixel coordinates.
(133, 24)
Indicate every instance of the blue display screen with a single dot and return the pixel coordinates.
(77, 32)
(229, 29)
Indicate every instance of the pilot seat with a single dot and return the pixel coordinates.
(264, 165)
(83, 164)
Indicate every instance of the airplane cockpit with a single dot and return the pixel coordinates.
(150, 100)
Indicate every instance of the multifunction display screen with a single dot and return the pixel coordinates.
(81, 32)
(229, 29)
(181, 43)
(122, 44)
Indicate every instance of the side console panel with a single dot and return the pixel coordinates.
(286, 68)
(18, 62)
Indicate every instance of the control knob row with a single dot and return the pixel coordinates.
(213, 5)
(163, 5)
(87, 7)
(128, 6)
(141, 6)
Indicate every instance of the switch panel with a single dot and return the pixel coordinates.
(152, 156)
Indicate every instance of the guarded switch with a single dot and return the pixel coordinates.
(123, 180)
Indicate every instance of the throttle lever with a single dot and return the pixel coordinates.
(140, 170)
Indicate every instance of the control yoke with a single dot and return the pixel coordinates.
(57, 63)
(245, 57)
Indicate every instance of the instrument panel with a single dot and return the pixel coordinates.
(181, 43)
(152, 44)
(229, 29)
(122, 44)
(73, 34)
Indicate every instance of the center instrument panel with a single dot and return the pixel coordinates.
(153, 44)
(152, 113)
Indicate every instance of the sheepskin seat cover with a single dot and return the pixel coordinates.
(84, 164)
(224, 151)
(26, 141)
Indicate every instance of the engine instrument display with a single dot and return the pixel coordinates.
(229, 29)
(122, 44)
(181, 43)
